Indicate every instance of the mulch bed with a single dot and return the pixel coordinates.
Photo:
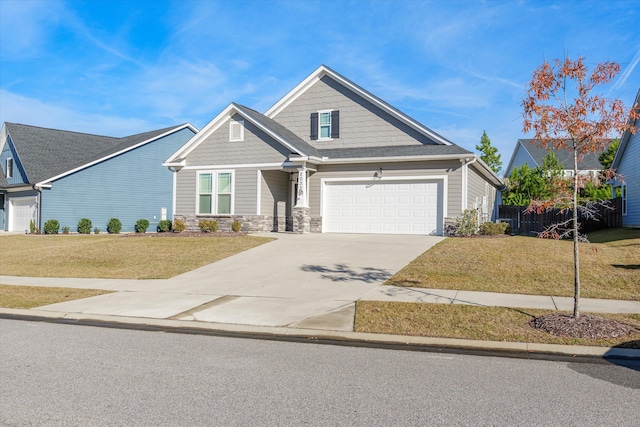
(585, 326)
(188, 234)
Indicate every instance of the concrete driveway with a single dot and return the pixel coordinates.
(309, 281)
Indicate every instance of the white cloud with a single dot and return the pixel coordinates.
(622, 79)
(30, 111)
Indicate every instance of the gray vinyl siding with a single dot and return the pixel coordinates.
(274, 194)
(362, 124)
(478, 187)
(434, 168)
(629, 170)
(257, 147)
(244, 196)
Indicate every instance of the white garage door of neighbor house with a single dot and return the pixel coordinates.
(21, 211)
(394, 207)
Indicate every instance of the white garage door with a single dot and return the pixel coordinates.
(21, 211)
(393, 207)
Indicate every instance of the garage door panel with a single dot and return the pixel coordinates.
(384, 207)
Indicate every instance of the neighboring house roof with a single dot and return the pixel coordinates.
(536, 152)
(46, 154)
(624, 142)
(322, 71)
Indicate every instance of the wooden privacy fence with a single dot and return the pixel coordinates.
(608, 215)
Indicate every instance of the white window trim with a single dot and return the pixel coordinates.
(214, 192)
(320, 138)
(236, 123)
(623, 194)
(9, 170)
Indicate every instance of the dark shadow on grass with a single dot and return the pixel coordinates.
(344, 273)
(627, 266)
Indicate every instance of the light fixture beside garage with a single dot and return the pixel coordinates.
(378, 174)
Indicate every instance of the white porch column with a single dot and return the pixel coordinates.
(302, 198)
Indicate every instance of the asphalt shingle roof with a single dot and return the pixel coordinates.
(45, 153)
(294, 140)
(393, 151)
(589, 161)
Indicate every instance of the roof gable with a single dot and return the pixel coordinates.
(47, 154)
(536, 153)
(624, 142)
(325, 72)
(276, 131)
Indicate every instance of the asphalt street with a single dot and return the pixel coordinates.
(70, 375)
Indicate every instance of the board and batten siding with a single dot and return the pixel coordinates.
(256, 148)
(629, 170)
(362, 124)
(522, 156)
(432, 168)
(274, 193)
(244, 196)
(9, 151)
(130, 186)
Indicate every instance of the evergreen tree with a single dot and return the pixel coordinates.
(606, 158)
(488, 153)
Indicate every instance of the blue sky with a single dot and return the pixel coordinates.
(459, 67)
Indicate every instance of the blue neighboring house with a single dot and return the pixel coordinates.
(63, 175)
(626, 164)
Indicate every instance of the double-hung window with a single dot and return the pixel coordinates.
(215, 193)
(325, 124)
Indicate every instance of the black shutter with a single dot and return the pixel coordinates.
(335, 124)
(314, 125)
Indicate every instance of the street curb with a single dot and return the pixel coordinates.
(356, 339)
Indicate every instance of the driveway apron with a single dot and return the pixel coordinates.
(310, 281)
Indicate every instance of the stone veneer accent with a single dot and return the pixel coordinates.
(301, 220)
(258, 223)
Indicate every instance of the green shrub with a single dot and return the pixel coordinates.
(208, 225)
(164, 226)
(114, 226)
(96, 230)
(467, 223)
(51, 226)
(65, 229)
(236, 226)
(493, 228)
(32, 227)
(142, 225)
(84, 226)
(179, 226)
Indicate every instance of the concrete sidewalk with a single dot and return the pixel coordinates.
(311, 284)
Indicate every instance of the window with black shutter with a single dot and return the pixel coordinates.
(325, 124)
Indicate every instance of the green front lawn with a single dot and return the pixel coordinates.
(610, 266)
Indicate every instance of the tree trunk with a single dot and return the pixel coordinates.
(576, 254)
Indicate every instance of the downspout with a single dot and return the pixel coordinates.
(39, 219)
(465, 180)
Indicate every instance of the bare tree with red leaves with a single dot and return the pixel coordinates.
(572, 118)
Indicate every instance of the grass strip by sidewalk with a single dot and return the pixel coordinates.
(35, 296)
(115, 257)
(528, 265)
(471, 322)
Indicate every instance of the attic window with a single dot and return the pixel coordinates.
(9, 168)
(236, 130)
(325, 125)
